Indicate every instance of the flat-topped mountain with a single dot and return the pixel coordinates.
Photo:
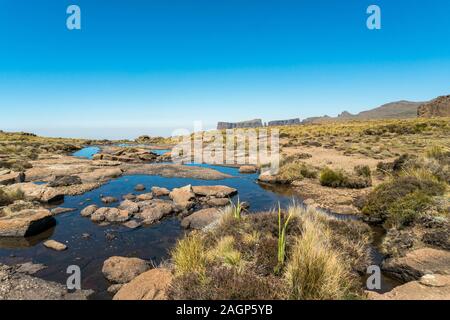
(439, 107)
(284, 122)
(256, 123)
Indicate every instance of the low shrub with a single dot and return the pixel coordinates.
(292, 171)
(331, 178)
(362, 171)
(389, 198)
(407, 209)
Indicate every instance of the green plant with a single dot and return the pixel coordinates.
(236, 209)
(282, 239)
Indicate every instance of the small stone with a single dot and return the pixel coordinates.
(55, 245)
(129, 196)
(109, 200)
(132, 224)
(248, 169)
(145, 196)
(139, 187)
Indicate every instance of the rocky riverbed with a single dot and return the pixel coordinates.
(84, 210)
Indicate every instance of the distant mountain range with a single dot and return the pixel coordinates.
(394, 110)
(439, 107)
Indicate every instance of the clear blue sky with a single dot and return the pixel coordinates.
(147, 67)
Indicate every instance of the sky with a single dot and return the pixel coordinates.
(149, 67)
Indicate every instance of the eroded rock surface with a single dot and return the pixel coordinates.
(150, 285)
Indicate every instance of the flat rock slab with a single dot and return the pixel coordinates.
(248, 169)
(417, 263)
(17, 285)
(214, 191)
(429, 287)
(150, 285)
(175, 171)
(25, 223)
(60, 210)
(202, 218)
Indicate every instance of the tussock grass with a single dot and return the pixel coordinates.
(315, 271)
(189, 255)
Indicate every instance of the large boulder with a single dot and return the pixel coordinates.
(267, 177)
(150, 285)
(417, 263)
(110, 215)
(122, 270)
(89, 210)
(160, 192)
(429, 287)
(183, 197)
(130, 206)
(26, 223)
(201, 219)
(214, 191)
(155, 210)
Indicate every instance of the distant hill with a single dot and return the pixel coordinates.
(439, 107)
(394, 110)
